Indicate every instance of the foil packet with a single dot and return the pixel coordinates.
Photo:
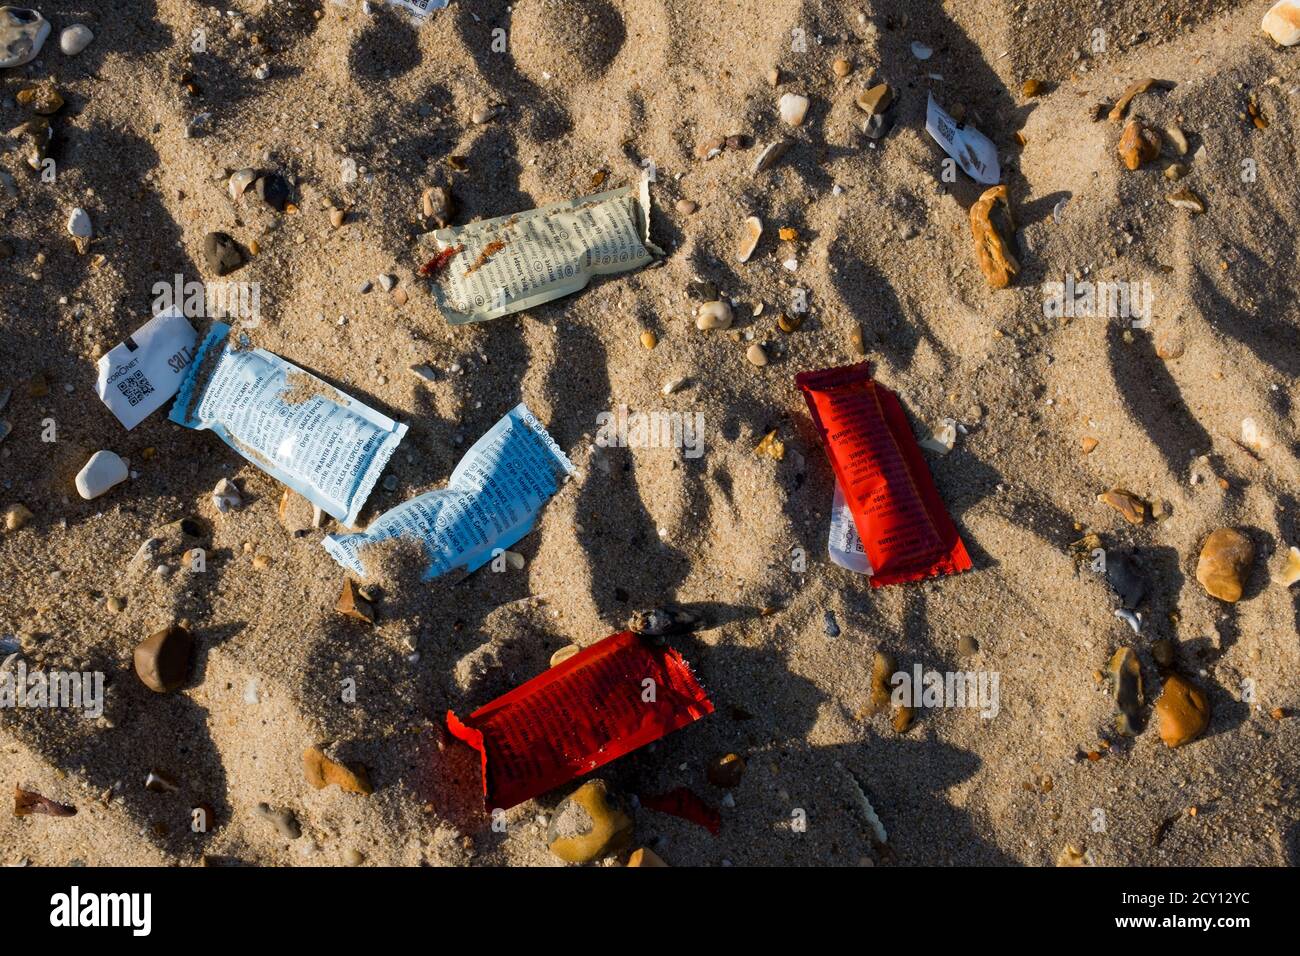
(607, 700)
(905, 529)
(492, 500)
(973, 150)
(492, 268)
(845, 544)
(327, 446)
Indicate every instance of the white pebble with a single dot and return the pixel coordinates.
(79, 224)
(226, 497)
(75, 39)
(793, 108)
(104, 470)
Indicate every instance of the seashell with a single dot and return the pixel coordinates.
(1186, 199)
(1138, 145)
(921, 51)
(713, 315)
(794, 108)
(753, 231)
(864, 806)
(437, 204)
(226, 496)
(240, 181)
(1131, 618)
(22, 34)
(770, 155)
(1282, 22)
(992, 226)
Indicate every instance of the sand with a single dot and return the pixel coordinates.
(883, 243)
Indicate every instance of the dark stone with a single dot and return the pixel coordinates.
(274, 190)
(164, 660)
(222, 253)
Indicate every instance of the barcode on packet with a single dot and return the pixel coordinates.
(135, 387)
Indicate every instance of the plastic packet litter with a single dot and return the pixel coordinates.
(492, 500)
(512, 263)
(139, 375)
(421, 8)
(905, 530)
(971, 148)
(607, 700)
(845, 544)
(323, 444)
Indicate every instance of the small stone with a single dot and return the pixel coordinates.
(1126, 503)
(1126, 680)
(883, 667)
(322, 772)
(104, 470)
(771, 447)
(793, 108)
(164, 660)
(589, 824)
(751, 233)
(686, 207)
(115, 605)
(1282, 22)
(1183, 710)
(993, 229)
(352, 604)
(1288, 572)
(1175, 171)
(1087, 444)
(789, 323)
(75, 38)
(80, 229)
(337, 217)
(1031, 88)
(484, 114)
(438, 205)
(1186, 199)
(400, 297)
(1169, 341)
(274, 190)
(726, 771)
(1225, 563)
(829, 625)
(564, 653)
(1177, 139)
(1125, 578)
(1133, 89)
(222, 253)
(645, 857)
(353, 857)
(756, 355)
(710, 147)
(261, 562)
(285, 823)
(1163, 651)
(857, 342)
(27, 802)
(770, 155)
(921, 51)
(22, 34)
(649, 339)
(713, 315)
(226, 496)
(878, 125)
(967, 647)
(16, 516)
(387, 282)
(875, 100)
(44, 100)
(773, 77)
(841, 68)
(1138, 145)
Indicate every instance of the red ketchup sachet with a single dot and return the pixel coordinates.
(619, 694)
(904, 526)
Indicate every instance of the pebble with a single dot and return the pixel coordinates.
(274, 190)
(875, 100)
(261, 562)
(883, 666)
(649, 339)
(222, 253)
(322, 772)
(75, 38)
(713, 315)
(756, 355)
(726, 771)
(1126, 503)
(878, 125)
(645, 857)
(1125, 579)
(564, 653)
(226, 496)
(387, 282)
(993, 229)
(841, 68)
(163, 661)
(789, 323)
(1289, 568)
(1169, 341)
(352, 604)
(1177, 139)
(80, 229)
(1032, 87)
(770, 155)
(750, 234)
(484, 114)
(793, 107)
(22, 34)
(1224, 564)
(400, 297)
(1163, 651)
(437, 204)
(921, 51)
(337, 217)
(1186, 199)
(1126, 683)
(44, 100)
(829, 625)
(353, 857)
(1282, 22)
(686, 206)
(16, 516)
(1088, 444)
(104, 470)
(1137, 145)
(283, 820)
(1183, 710)
(856, 340)
(589, 824)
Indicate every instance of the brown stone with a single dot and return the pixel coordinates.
(321, 772)
(1225, 563)
(1133, 89)
(993, 228)
(1138, 145)
(1183, 710)
(163, 660)
(726, 771)
(1169, 342)
(875, 100)
(353, 605)
(589, 824)
(27, 803)
(645, 857)
(1087, 443)
(883, 667)
(1132, 507)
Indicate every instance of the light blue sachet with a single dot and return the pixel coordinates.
(492, 500)
(327, 446)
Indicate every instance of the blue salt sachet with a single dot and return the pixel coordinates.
(323, 444)
(492, 500)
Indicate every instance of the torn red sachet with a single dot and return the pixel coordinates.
(904, 526)
(619, 694)
(685, 803)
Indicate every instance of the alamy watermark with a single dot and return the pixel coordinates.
(214, 300)
(655, 429)
(52, 690)
(1086, 299)
(933, 689)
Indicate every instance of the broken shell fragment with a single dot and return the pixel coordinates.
(240, 181)
(1138, 145)
(1289, 572)
(793, 108)
(352, 604)
(665, 622)
(437, 204)
(27, 803)
(992, 225)
(80, 229)
(1186, 199)
(1133, 89)
(749, 237)
(770, 155)
(1282, 22)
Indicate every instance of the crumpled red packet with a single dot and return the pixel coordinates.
(904, 526)
(685, 803)
(603, 702)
